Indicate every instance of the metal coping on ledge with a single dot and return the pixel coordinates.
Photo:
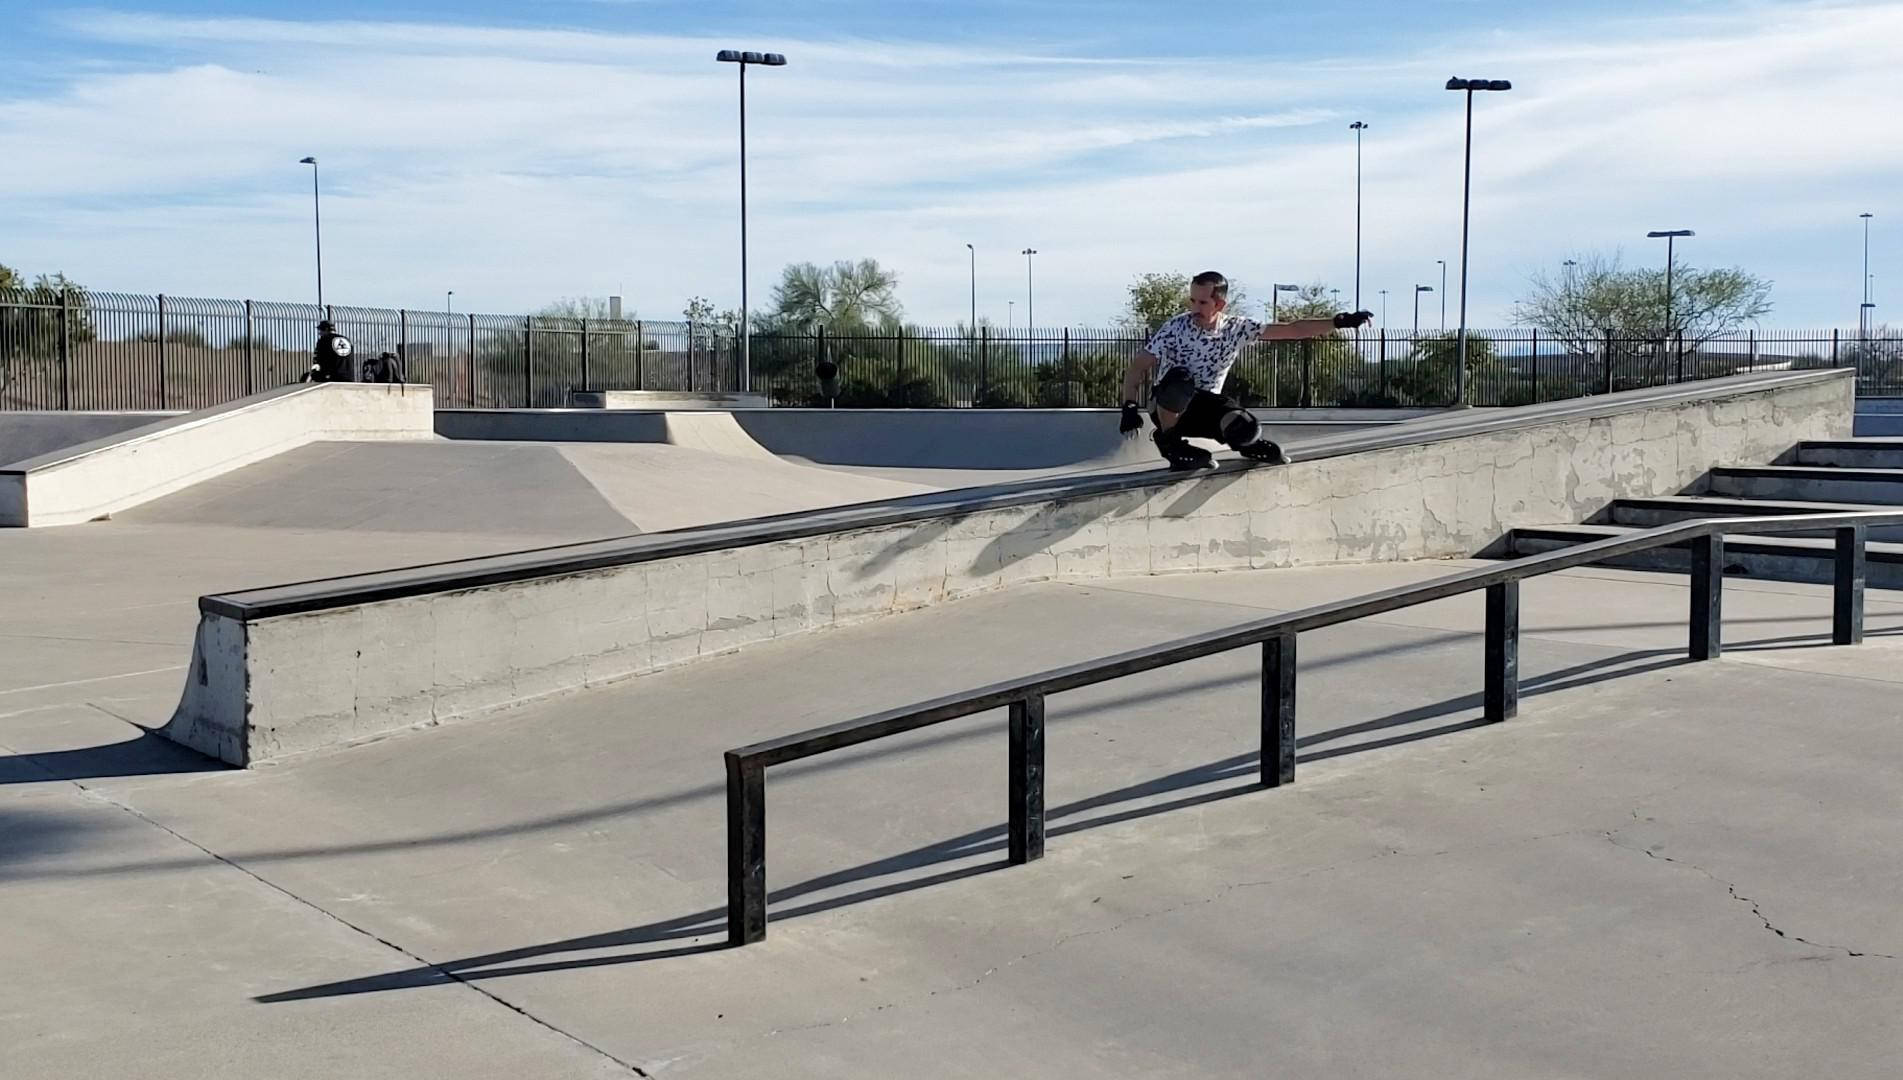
(398, 583)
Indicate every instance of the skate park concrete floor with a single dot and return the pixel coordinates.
(1660, 868)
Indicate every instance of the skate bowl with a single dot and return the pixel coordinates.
(962, 441)
(281, 670)
(91, 480)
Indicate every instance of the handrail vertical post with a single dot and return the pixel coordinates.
(1708, 580)
(746, 851)
(1027, 779)
(1846, 622)
(1503, 652)
(1278, 709)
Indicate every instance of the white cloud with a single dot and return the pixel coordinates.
(519, 165)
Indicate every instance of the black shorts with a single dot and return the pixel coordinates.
(1199, 412)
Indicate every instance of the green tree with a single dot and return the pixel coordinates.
(1596, 296)
(30, 331)
(842, 297)
(1156, 298)
(1314, 300)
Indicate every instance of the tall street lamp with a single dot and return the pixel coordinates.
(1275, 300)
(1443, 294)
(974, 288)
(1466, 203)
(317, 220)
(1669, 235)
(1418, 290)
(1866, 312)
(1358, 127)
(1384, 310)
(1030, 295)
(743, 59)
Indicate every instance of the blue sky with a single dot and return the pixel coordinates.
(519, 153)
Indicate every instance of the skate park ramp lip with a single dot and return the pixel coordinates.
(967, 441)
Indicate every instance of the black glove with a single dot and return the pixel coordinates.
(1347, 319)
(1132, 419)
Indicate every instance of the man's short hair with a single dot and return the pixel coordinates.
(1219, 285)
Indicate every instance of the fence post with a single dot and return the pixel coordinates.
(528, 360)
(1753, 332)
(1278, 710)
(66, 349)
(1833, 348)
(250, 350)
(403, 341)
(1068, 370)
(1381, 352)
(984, 362)
(1026, 782)
(1708, 581)
(161, 350)
(1503, 652)
(819, 347)
(1846, 622)
(1609, 383)
(640, 356)
(1533, 370)
(1679, 342)
(473, 370)
(584, 352)
(746, 851)
(1308, 372)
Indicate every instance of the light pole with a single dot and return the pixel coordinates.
(733, 56)
(1443, 294)
(974, 289)
(1010, 315)
(1669, 235)
(1275, 300)
(1384, 309)
(1418, 290)
(1866, 312)
(1030, 295)
(317, 220)
(449, 301)
(1358, 127)
(1466, 204)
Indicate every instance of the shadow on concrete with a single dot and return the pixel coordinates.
(990, 841)
(147, 754)
(35, 833)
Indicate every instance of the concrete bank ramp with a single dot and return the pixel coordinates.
(111, 474)
(576, 490)
(931, 447)
(281, 670)
(30, 434)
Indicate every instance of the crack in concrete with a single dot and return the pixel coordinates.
(448, 975)
(1732, 890)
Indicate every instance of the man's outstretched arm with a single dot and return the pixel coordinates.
(1137, 375)
(1313, 328)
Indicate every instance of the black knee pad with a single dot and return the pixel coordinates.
(1175, 391)
(1240, 428)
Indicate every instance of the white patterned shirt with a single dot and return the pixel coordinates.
(1206, 354)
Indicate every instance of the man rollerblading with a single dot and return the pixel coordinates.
(1184, 365)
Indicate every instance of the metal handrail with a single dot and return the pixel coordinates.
(1024, 696)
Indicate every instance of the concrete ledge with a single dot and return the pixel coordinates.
(95, 479)
(282, 670)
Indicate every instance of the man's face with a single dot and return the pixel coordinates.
(1204, 304)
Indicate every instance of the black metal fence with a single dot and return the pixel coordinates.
(66, 349)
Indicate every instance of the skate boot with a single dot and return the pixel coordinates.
(1264, 450)
(1181, 455)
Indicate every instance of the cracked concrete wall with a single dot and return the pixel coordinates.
(340, 675)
